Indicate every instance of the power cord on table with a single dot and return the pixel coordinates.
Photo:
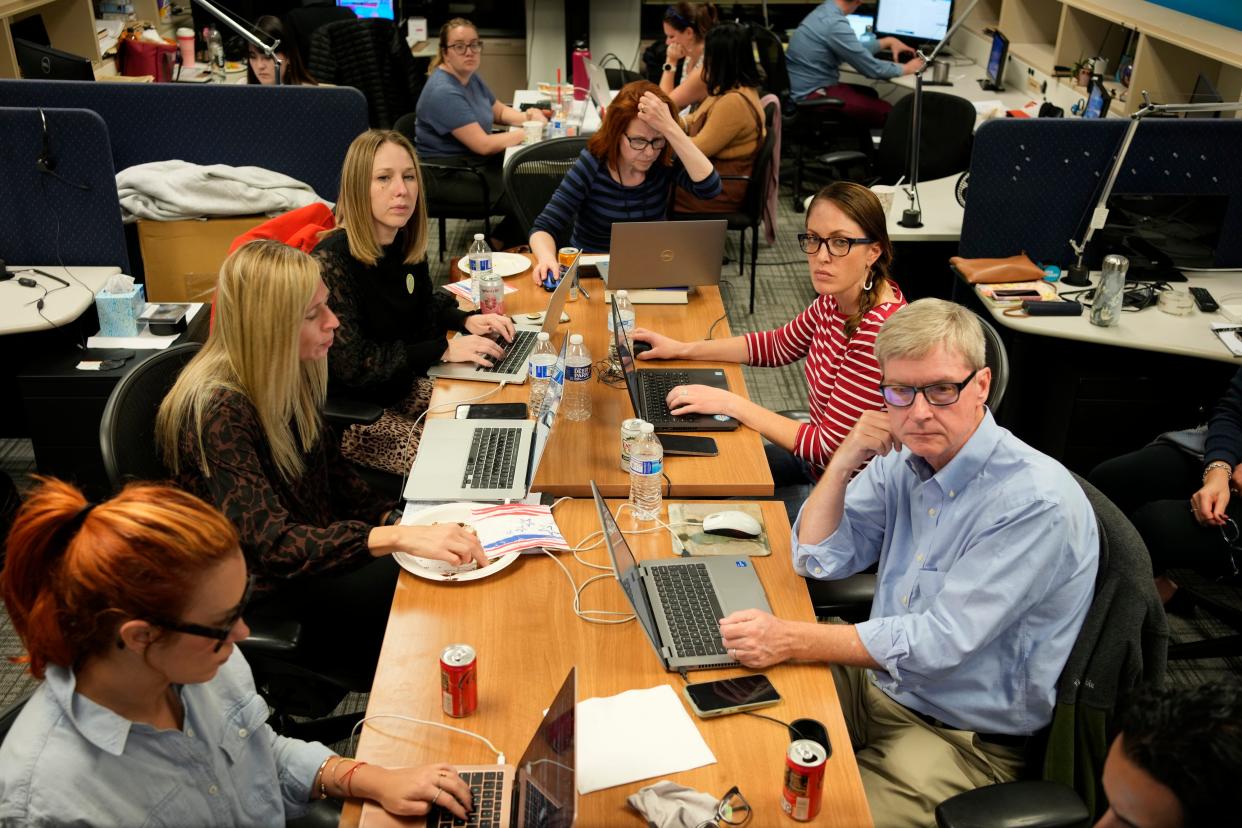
(500, 756)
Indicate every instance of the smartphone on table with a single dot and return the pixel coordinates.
(718, 698)
(492, 411)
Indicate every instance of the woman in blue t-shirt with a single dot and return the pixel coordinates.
(624, 174)
(453, 123)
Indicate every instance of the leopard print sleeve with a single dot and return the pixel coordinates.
(245, 486)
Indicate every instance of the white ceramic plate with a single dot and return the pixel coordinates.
(506, 264)
(434, 570)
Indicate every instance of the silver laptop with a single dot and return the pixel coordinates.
(649, 388)
(600, 92)
(680, 601)
(512, 367)
(664, 254)
(542, 791)
(484, 460)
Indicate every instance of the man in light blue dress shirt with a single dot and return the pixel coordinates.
(987, 554)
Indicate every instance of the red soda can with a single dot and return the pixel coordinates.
(804, 779)
(459, 686)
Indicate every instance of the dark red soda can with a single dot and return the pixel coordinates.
(459, 685)
(804, 779)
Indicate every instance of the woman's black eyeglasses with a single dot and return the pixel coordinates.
(732, 809)
(221, 634)
(475, 46)
(938, 393)
(837, 245)
(640, 144)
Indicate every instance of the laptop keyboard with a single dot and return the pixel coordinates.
(691, 609)
(486, 788)
(656, 386)
(514, 360)
(492, 459)
(539, 811)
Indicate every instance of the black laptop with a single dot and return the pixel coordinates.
(649, 388)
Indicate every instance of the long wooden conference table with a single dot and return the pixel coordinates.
(527, 637)
(579, 451)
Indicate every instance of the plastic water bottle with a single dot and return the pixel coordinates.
(577, 380)
(215, 51)
(542, 363)
(646, 473)
(480, 256)
(625, 309)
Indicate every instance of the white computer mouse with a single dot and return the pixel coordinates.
(732, 524)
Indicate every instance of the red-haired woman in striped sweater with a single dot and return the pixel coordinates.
(849, 253)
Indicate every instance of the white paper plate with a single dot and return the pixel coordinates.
(435, 570)
(506, 264)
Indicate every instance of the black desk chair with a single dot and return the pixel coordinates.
(535, 171)
(947, 135)
(809, 127)
(127, 442)
(850, 598)
(750, 216)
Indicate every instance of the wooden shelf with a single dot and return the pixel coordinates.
(1039, 55)
(70, 28)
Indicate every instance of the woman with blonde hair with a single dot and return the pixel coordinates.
(393, 323)
(242, 428)
(849, 255)
(129, 611)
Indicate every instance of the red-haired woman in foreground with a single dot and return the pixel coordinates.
(129, 611)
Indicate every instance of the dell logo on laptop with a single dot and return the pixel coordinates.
(666, 255)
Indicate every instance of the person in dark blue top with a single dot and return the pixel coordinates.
(624, 174)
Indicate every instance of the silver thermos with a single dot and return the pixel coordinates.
(1106, 304)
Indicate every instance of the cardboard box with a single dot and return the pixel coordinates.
(119, 312)
(182, 258)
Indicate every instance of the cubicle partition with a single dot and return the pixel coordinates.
(59, 202)
(301, 131)
(1034, 182)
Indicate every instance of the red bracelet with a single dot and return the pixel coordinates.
(349, 779)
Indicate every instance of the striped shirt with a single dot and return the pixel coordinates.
(842, 375)
(590, 199)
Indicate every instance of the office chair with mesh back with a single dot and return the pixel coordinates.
(533, 174)
(944, 149)
(127, 442)
(850, 598)
(750, 213)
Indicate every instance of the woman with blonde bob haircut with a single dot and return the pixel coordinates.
(130, 611)
(242, 429)
(393, 322)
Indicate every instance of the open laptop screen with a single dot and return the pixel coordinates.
(625, 356)
(546, 782)
(627, 568)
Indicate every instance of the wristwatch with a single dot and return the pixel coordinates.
(668, 67)
(1216, 464)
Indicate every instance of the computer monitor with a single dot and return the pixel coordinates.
(922, 20)
(996, 63)
(1204, 92)
(369, 8)
(38, 62)
(860, 23)
(1098, 99)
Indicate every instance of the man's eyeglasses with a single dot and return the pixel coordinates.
(220, 634)
(475, 46)
(641, 144)
(938, 393)
(837, 245)
(732, 809)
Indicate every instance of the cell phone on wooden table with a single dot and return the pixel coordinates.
(718, 698)
(492, 411)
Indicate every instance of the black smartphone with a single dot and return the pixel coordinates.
(717, 698)
(492, 411)
(679, 444)
(1016, 294)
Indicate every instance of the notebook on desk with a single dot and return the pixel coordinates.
(485, 460)
(511, 368)
(541, 791)
(680, 601)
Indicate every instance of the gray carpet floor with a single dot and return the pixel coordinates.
(782, 290)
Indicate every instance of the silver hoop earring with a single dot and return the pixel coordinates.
(867, 285)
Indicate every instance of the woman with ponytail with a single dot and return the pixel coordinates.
(129, 611)
(849, 253)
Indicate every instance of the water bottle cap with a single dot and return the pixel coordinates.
(543, 336)
(575, 339)
(623, 293)
(478, 237)
(646, 428)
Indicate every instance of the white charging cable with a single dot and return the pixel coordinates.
(500, 757)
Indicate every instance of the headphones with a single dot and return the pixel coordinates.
(46, 163)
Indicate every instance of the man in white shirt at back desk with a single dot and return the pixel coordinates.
(987, 553)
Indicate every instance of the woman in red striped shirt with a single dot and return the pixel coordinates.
(849, 253)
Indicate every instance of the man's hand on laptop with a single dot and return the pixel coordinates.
(490, 323)
(472, 348)
(662, 347)
(757, 638)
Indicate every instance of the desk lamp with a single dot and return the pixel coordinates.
(913, 216)
(1076, 274)
(248, 33)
